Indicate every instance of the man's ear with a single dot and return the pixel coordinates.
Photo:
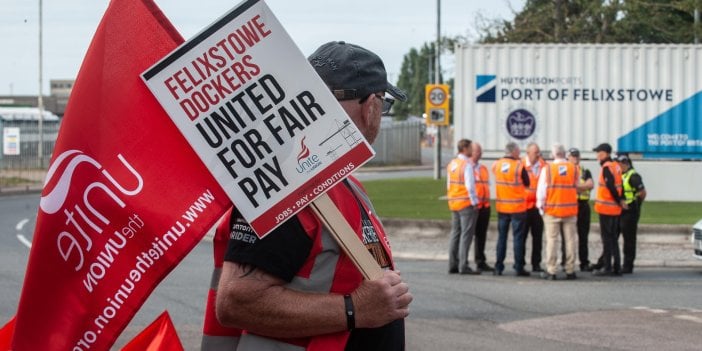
(369, 109)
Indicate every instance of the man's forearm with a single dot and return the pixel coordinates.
(249, 301)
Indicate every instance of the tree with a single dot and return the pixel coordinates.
(595, 21)
(417, 70)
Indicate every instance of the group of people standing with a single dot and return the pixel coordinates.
(540, 198)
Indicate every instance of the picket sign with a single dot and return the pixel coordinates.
(263, 122)
(345, 236)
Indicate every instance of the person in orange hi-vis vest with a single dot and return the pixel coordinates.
(557, 199)
(608, 204)
(533, 163)
(295, 289)
(463, 203)
(482, 188)
(511, 180)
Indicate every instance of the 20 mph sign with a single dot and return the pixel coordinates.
(437, 104)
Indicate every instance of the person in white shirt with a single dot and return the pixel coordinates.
(557, 200)
(463, 203)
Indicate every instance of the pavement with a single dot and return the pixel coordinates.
(657, 246)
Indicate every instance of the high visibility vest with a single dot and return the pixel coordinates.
(629, 191)
(456, 190)
(482, 185)
(534, 173)
(604, 202)
(216, 337)
(326, 270)
(562, 192)
(585, 195)
(511, 195)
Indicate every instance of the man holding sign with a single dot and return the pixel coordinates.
(295, 289)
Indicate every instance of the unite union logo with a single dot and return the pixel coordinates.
(306, 161)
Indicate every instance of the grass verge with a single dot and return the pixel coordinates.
(418, 198)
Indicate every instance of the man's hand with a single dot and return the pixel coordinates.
(380, 301)
(624, 204)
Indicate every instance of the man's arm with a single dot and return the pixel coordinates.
(541, 188)
(525, 177)
(588, 184)
(609, 183)
(469, 176)
(637, 183)
(250, 299)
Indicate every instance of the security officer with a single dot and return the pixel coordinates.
(634, 194)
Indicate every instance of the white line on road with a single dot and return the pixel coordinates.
(647, 309)
(24, 241)
(21, 224)
(689, 318)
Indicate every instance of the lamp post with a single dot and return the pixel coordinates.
(437, 80)
(40, 98)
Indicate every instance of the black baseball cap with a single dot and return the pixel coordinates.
(603, 147)
(623, 158)
(574, 152)
(352, 72)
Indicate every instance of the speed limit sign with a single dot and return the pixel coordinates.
(437, 104)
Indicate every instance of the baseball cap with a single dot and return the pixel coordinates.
(603, 147)
(623, 158)
(574, 152)
(352, 72)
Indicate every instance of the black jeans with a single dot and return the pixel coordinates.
(629, 224)
(481, 228)
(535, 226)
(583, 231)
(609, 231)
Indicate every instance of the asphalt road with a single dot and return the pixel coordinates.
(654, 309)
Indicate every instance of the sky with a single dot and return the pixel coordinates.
(389, 28)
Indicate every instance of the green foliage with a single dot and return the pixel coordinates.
(421, 198)
(596, 21)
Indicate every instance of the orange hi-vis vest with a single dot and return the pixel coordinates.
(604, 202)
(327, 269)
(482, 185)
(534, 173)
(511, 195)
(216, 337)
(562, 191)
(456, 190)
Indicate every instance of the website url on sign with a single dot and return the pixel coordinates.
(143, 262)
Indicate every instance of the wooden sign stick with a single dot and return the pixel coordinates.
(341, 230)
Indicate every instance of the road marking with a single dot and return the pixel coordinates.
(24, 241)
(689, 318)
(21, 224)
(647, 309)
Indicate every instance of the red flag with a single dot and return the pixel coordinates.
(6, 334)
(125, 198)
(160, 335)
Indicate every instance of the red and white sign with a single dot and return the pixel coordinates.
(125, 199)
(258, 115)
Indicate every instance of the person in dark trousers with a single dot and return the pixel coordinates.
(634, 194)
(585, 185)
(609, 204)
(511, 180)
(482, 186)
(533, 164)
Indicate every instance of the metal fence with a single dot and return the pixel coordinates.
(398, 143)
(23, 166)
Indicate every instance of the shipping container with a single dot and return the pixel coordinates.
(642, 99)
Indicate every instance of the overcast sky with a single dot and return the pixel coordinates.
(389, 28)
